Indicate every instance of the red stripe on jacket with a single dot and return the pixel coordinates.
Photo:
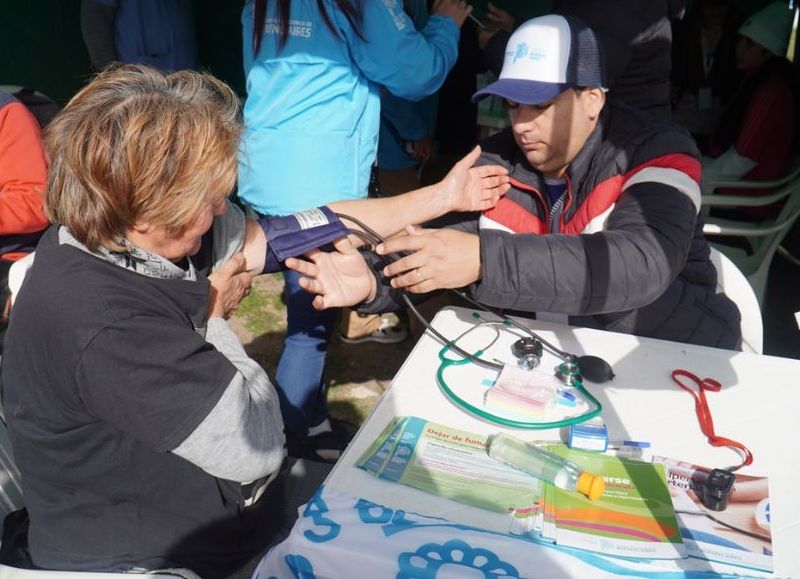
(606, 193)
(599, 199)
(514, 216)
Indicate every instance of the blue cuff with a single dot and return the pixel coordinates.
(293, 235)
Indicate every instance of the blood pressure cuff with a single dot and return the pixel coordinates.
(293, 235)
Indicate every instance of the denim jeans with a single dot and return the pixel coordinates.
(298, 378)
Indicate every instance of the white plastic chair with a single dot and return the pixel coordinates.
(765, 236)
(17, 272)
(735, 285)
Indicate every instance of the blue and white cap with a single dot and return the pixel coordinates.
(546, 56)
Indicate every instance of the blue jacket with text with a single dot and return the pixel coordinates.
(313, 107)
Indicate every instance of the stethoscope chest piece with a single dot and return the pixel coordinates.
(528, 352)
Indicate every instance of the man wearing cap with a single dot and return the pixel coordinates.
(601, 224)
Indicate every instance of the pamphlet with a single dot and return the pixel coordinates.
(633, 518)
(450, 463)
(739, 535)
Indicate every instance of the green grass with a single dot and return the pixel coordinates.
(262, 311)
(356, 374)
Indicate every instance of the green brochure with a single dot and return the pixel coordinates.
(450, 463)
(633, 518)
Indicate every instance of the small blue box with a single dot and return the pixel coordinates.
(588, 436)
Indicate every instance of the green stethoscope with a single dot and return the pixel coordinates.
(567, 369)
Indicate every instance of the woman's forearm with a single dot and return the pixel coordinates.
(389, 215)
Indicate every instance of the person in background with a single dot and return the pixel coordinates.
(314, 74)
(599, 229)
(405, 141)
(23, 177)
(456, 130)
(159, 33)
(757, 134)
(704, 73)
(405, 147)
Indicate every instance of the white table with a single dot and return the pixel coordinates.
(759, 406)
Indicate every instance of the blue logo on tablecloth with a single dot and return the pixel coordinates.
(428, 559)
(315, 510)
(300, 567)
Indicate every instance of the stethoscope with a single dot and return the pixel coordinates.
(528, 351)
(567, 372)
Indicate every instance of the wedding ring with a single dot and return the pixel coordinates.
(419, 274)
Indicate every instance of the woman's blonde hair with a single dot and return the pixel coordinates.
(137, 145)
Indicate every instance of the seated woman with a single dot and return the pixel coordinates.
(757, 134)
(145, 436)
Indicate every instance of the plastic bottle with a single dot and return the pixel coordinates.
(544, 465)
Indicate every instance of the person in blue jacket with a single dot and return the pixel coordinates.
(314, 74)
(405, 142)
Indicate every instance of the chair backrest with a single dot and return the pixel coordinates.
(17, 272)
(735, 285)
(763, 237)
(10, 488)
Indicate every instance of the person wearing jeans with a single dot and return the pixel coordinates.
(314, 73)
(302, 365)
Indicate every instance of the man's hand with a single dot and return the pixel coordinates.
(440, 258)
(341, 278)
(471, 188)
(230, 284)
(458, 10)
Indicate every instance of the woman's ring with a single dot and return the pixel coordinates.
(419, 274)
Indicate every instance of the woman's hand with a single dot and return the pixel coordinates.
(440, 258)
(422, 150)
(471, 188)
(458, 10)
(341, 278)
(230, 284)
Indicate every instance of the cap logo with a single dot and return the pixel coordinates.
(522, 51)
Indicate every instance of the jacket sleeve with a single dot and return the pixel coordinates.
(200, 397)
(631, 263)
(97, 27)
(23, 172)
(392, 53)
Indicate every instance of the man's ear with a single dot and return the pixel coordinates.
(593, 101)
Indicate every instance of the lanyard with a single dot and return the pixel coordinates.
(704, 413)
